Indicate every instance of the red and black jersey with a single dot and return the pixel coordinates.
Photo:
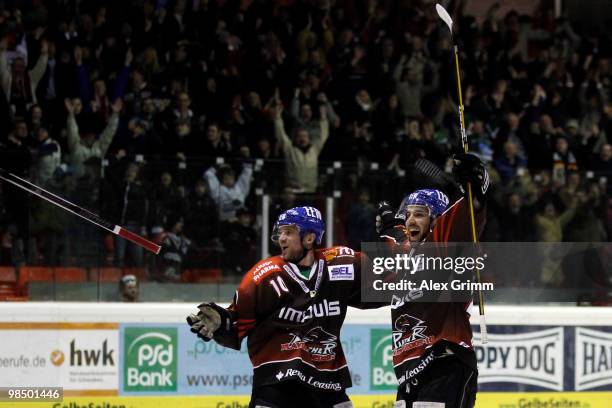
(292, 323)
(423, 331)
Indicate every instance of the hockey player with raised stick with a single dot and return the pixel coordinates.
(291, 308)
(433, 357)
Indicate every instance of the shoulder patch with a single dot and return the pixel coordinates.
(341, 272)
(337, 252)
(263, 269)
(329, 254)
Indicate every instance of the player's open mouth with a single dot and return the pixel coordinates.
(414, 232)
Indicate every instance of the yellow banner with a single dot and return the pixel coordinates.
(484, 400)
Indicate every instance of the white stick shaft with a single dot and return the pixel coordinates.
(483, 330)
(59, 198)
(76, 210)
(113, 230)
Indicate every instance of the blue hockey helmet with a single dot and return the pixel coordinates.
(307, 219)
(435, 200)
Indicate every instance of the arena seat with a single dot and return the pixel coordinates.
(35, 274)
(105, 274)
(11, 292)
(29, 274)
(203, 275)
(70, 274)
(7, 274)
(140, 273)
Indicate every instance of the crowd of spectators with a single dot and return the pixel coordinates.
(143, 110)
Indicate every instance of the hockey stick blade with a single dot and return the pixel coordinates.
(138, 240)
(437, 178)
(445, 17)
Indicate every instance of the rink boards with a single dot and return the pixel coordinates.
(143, 355)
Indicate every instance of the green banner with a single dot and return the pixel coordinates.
(382, 376)
(150, 359)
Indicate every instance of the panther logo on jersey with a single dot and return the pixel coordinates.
(319, 343)
(406, 322)
(409, 333)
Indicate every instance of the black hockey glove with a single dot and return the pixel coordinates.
(210, 319)
(387, 218)
(469, 169)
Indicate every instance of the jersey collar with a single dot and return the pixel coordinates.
(294, 273)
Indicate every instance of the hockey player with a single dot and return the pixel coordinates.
(433, 357)
(291, 308)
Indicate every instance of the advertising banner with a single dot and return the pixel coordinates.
(169, 359)
(525, 358)
(160, 364)
(149, 357)
(538, 358)
(77, 357)
(382, 376)
(206, 368)
(483, 400)
(593, 367)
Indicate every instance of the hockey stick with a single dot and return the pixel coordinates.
(434, 175)
(464, 142)
(76, 210)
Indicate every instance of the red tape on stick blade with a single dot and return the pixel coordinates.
(138, 240)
